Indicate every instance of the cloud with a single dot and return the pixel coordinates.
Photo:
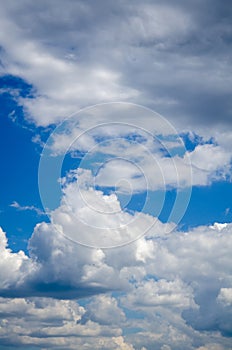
(172, 58)
(14, 266)
(107, 137)
(179, 284)
(225, 296)
(182, 278)
(133, 149)
(50, 323)
(162, 293)
(121, 344)
(211, 346)
(45, 273)
(71, 269)
(95, 219)
(207, 163)
(17, 206)
(104, 310)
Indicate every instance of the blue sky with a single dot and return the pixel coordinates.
(115, 184)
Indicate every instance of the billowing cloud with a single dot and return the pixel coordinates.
(50, 323)
(14, 266)
(181, 280)
(161, 293)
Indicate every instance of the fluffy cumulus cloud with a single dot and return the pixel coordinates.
(169, 288)
(162, 292)
(54, 324)
(14, 266)
(225, 296)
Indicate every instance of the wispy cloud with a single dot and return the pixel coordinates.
(19, 207)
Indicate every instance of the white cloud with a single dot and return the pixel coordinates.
(17, 206)
(209, 162)
(180, 283)
(81, 271)
(225, 296)
(157, 161)
(162, 293)
(14, 267)
(94, 219)
(121, 344)
(105, 310)
(62, 85)
(202, 166)
(184, 278)
(53, 324)
(211, 346)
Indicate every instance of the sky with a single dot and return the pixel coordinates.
(115, 181)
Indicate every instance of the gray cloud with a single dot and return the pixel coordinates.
(173, 57)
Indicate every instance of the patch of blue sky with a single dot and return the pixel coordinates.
(148, 202)
(90, 160)
(209, 204)
(49, 185)
(136, 138)
(192, 140)
(10, 83)
(70, 163)
(18, 177)
(170, 145)
(19, 225)
(184, 142)
(155, 203)
(149, 277)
